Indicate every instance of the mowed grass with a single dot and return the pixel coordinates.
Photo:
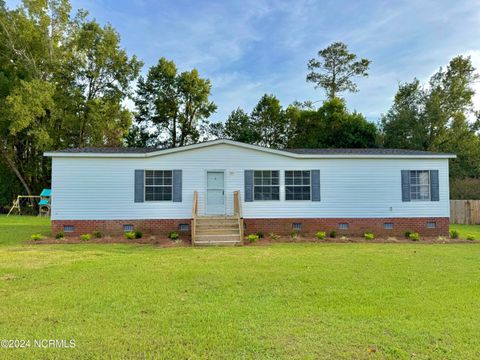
(466, 230)
(287, 301)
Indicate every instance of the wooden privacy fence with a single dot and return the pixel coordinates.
(465, 211)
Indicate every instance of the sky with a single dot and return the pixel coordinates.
(251, 47)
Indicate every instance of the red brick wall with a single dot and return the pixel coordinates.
(357, 226)
(115, 227)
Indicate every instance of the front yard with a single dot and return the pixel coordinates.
(361, 301)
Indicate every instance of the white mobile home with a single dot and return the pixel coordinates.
(306, 190)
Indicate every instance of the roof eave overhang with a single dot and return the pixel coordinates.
(247, 146)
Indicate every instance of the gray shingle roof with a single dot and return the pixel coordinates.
(107, 150)
(320, 152)
(363, 152)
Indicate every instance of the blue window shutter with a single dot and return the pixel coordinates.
(434, 186)
(315, 174)
(139, 185)
(405, 185)
(177, 185)
(248, 185)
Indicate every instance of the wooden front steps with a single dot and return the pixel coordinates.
(217, 230)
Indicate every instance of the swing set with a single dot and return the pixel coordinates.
(42, 201)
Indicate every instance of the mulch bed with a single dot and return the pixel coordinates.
(345, 240)
(147, 239)
(163, 241)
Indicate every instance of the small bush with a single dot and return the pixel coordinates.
(407, 234)
(414, 236)
(333, 234)
(471, 237)
(454, 234)
(368, 236)
(130, 235)
(274, 236)
(320, 235)
(59, 235)
(85, 237)
(344, 238)
(97, 234)
(138, 234)
(36, 237)
(294, 234)
(173, 235)
(253, 238)
(260, 234)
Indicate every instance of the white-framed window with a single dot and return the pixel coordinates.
(388, 226)
(431, 225)
(158, 185)
(266, 185)
(343, 226)
(297, 185)
(419, 185)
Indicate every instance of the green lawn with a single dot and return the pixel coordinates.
(465, 230)
(300, 301)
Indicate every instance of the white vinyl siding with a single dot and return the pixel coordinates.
(103, 188)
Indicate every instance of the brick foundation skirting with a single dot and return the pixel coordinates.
(356, 226)
(115, 227)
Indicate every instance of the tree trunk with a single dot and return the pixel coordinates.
(15, 170)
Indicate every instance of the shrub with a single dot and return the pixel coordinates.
(368, 236)
(320, 235)
(130, 235)
(333, 234)
(294, 234)
(173, 235)
(97, 234)
(138, 234)
(36, 237)
(260, 234)
(344, 238)
(85, 237)
(470, 237)
(274, 236)
(454, 234)
(59, 235)
(407, 234)
(465, 189)
(253, 238)
(414, 236)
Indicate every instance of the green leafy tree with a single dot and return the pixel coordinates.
(269, 122)
(63, 80)
(239, 127)
(175, 104)
(335, 68)
(438, 117)
(331, 126)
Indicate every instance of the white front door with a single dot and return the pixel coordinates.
(215, 193)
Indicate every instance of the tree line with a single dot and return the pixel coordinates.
(64, 79)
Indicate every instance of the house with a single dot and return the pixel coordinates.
(215, 190)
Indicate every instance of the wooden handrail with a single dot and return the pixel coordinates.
(194, 216)
(195, 204)
(237, 211)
